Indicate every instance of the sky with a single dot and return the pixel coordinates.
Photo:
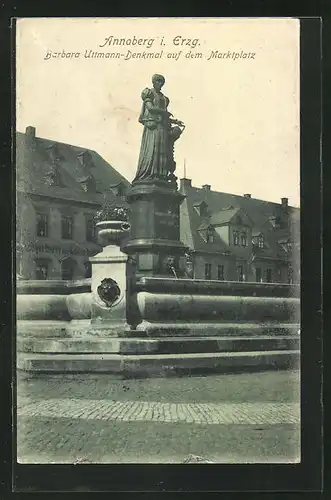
(241, 112)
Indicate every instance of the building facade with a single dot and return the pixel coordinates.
(60, 187)
(238, 238)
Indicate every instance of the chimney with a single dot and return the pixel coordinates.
(185, 183)
(284, 202)
(206, 187)
(247, 195)
(30, 146)
(30, 135)
(30, 132)
(85, 159)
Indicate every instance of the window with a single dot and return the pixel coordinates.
(289, 246)
(201, 208)
(42, 224)
(88, 183)
(66, 227)
(240, 270)
(220, 272)
(258, 275)
(236, 238)
(210, 235)
(90, 228)
(208, 271)
(41, 270)
(244, 239)
(268, 275)
(88, 269)
(260, 241)
(290, 276)
(272, 220)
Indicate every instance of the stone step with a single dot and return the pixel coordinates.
(158, 346)
(180, 329)
(158, 365)
(41, 328)
(79, 329)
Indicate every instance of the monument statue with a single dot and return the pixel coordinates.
(154, 244)
(156, 159)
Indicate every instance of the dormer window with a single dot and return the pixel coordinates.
(202, 208)
(236, 238)
(286, 245)
(210, 235)
(243, 239)
(207, 232)
(85, 159)
(88, 183)
(260, 241)
(273, 220)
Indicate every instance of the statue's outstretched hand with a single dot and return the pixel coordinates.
(178, 122)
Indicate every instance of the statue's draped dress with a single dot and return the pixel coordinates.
(153, 158)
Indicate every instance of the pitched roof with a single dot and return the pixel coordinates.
(84, 178)
(223, 216)
(191, 227)
(34, 162)
(223, 207)
(204, 225)
(199, 203)
(230, 214)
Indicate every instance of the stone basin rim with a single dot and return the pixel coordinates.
(114, 224)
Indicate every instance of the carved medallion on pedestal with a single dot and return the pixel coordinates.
(109, 291)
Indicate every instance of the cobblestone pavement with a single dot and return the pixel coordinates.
(282, 386)
(242, 418)
(148, 411)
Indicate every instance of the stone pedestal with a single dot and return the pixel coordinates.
(154, 241)
(109, 279)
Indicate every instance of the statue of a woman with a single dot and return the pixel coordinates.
(154, 161)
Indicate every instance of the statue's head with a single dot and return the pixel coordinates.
(158, 81)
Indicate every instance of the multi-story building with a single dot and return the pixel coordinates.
(238, 238)
(59, 189)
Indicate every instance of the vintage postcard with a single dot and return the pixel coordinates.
(158, 240)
